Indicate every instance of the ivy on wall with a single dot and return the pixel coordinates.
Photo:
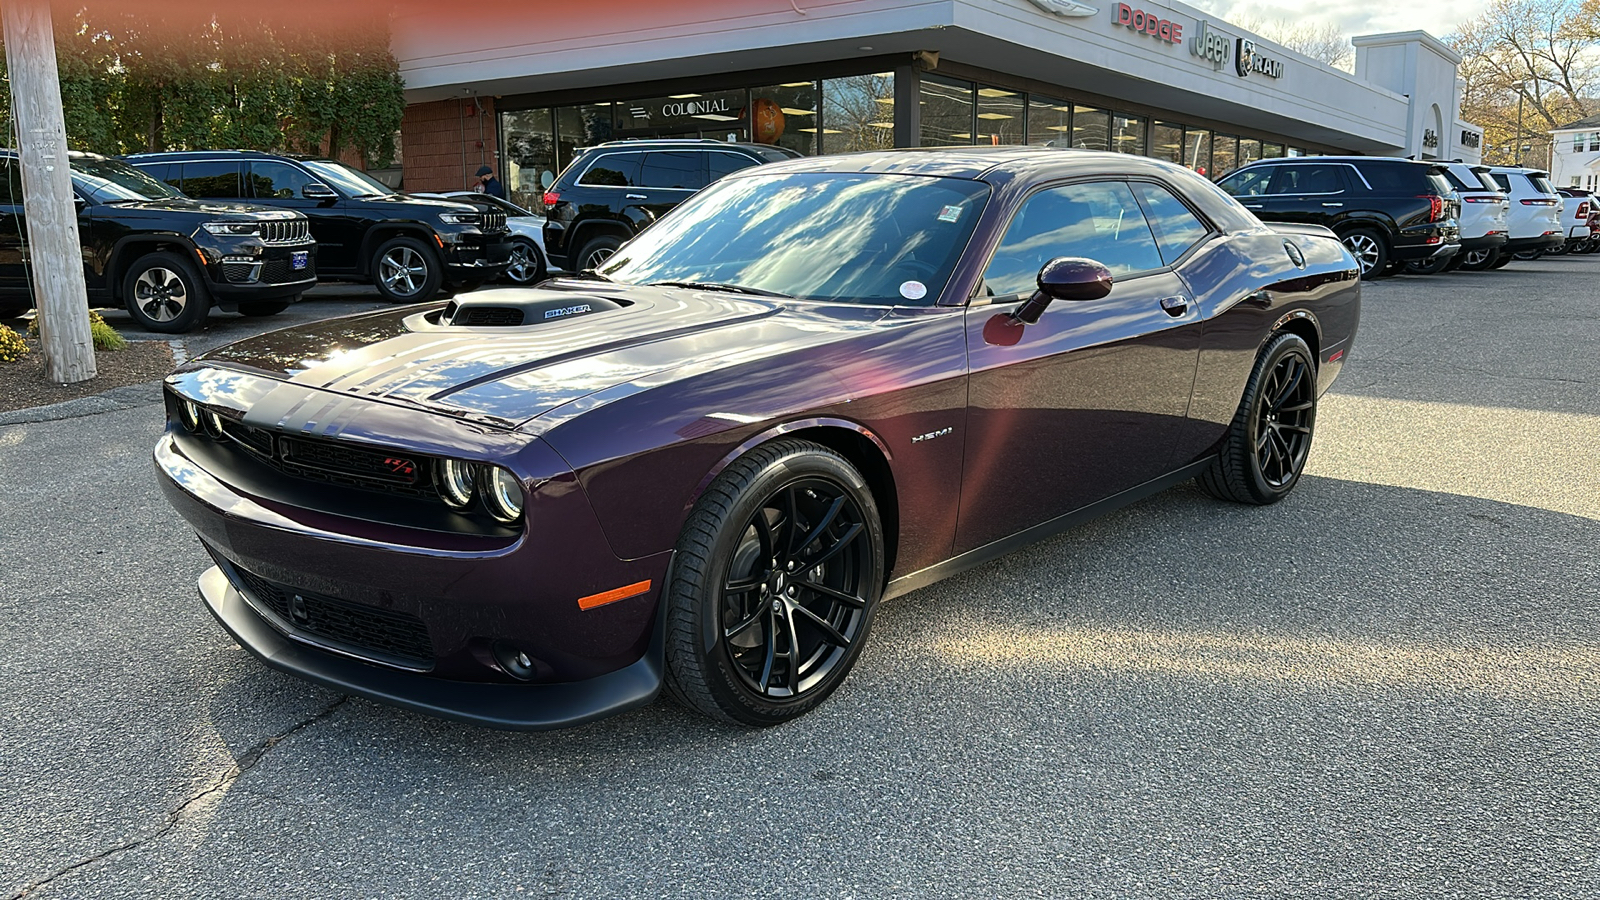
(133, 81)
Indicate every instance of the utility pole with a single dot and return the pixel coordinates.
(55, 255)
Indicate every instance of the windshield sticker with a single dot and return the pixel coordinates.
(950, 214)
(914, 290)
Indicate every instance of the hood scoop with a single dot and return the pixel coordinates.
(512, 307)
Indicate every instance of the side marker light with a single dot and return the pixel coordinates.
(621, 593)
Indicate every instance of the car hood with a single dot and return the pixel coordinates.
(436, 204)
(241, 211)
(508, 375)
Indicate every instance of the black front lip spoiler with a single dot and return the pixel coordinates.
(511, 707)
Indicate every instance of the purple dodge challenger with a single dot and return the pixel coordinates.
(814, 386)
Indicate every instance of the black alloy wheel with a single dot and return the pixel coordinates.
(1432, 266)
(1266, 447)
(1559, 250)
(527, 264)
(1503, 260)
(774, 586)
(1478, 260)
(164, 293)
(1370, 251)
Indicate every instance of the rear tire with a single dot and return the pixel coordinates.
(163, 293)
(1501, 261)
(1478, 260)
(1266, 447)
(597, 251)
(1429, 266)
(759, 630)
(1369, 249)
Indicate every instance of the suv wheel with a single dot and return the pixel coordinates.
(1478, 260)
(1368, 247)
(527, 263)
(405, 271)
(597, 251)
(164, 293)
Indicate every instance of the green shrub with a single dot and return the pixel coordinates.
(12, 346)
(100, 331)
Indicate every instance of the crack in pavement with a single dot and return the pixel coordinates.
(244, 763)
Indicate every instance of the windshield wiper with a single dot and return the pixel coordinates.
(715, 286)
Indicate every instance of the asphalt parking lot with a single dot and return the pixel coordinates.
(1386, 686)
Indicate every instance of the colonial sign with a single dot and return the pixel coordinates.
(1249, 58)
(1430, 138)
(1211, 46)
(694, 107)
(1147, 23)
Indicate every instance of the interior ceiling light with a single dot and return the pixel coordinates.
(993, 116)
(797, 112)
(995, 92)
(681, 96)
(796, 84)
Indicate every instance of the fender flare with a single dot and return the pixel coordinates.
(777, 431)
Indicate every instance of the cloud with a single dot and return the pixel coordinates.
(1354, 17)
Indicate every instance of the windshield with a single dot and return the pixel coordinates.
(856, 238)
(107, 181)
(345, 179)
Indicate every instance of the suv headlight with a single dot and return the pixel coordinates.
(233, 228)
(455, 218)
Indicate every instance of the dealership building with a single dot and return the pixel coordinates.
(830, 76)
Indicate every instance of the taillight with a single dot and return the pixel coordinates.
(1481, 199)
(1583, 210)
(1435, 207)
(1541, 202)
(551, 198)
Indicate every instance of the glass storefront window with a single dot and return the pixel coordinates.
(1297, 151)
(1000, 116)
(1270, 150)
(1049, 121)
(581, 126)
(780, 112)
(1249, 150)
(857, 113)
(1224, 155)
(1091, 128)
(947, 109)
(530, 155)
(712, 114)
(1127, 134)
(1166, 141)
(1197, 150)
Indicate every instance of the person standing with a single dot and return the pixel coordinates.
(489, 184)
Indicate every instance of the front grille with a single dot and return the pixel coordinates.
(286, 231)
(279, 271)
(494, 220)
(380, 634)
(345, 464)
(256, 440)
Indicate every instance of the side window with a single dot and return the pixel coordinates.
(671, 170)
(210, 179)
(167, 172)
(276, 180)
(1308, 179)
(1502, 181)
(1248, 182)
(613, 170)
(1176, 226)
(1100, 220)
(721, 163)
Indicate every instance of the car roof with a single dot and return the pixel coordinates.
(973, 162)
(1282, 160)
(226, 154)
(682, 144)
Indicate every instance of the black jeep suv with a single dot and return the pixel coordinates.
(610, 192)
(163, 256)
(409, 247)
(1387, 211)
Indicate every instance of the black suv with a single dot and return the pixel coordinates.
(409, 247)
(610, 192)
(163, 256)
(1387, 211)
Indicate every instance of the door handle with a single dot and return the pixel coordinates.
(635, 197)
(1175, 306)
(1253, 206)
(1333, 204)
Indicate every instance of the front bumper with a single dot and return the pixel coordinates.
(518, 707)
(476, 257)
(253, 272)
(1431, 241)
(1486, 242)
(1543, 242)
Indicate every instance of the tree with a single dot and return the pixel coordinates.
(1538, 52)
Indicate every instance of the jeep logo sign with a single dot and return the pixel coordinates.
(1147, 23)
(1210, 46)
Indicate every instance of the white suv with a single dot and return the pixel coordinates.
(1484, 210)
(1535, 218)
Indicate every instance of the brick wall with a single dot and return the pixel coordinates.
(441, 144)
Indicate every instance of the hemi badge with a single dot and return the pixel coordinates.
(932, 434)
(621, 593)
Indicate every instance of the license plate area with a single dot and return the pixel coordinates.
(299, 259)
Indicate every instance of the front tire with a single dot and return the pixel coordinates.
(165, 294)
(527, 263)
(1369, 249)
(775, 582)
(406, 271)
(1266, 447)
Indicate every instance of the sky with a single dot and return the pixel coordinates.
(1354, 17)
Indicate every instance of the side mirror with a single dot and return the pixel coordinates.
(316, 191)
(79, 203)
(1065, 278)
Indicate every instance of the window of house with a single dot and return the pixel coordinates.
(1127, 134)
(1001, 115)
(1166, 141)
(1049, 121)
(1091, 128)
(947, 111)
(1197, 150)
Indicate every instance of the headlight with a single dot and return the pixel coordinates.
(459, 218)
(188, 415)
(502, 494)
(212, 423)
(455, 479)
(232, 228)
